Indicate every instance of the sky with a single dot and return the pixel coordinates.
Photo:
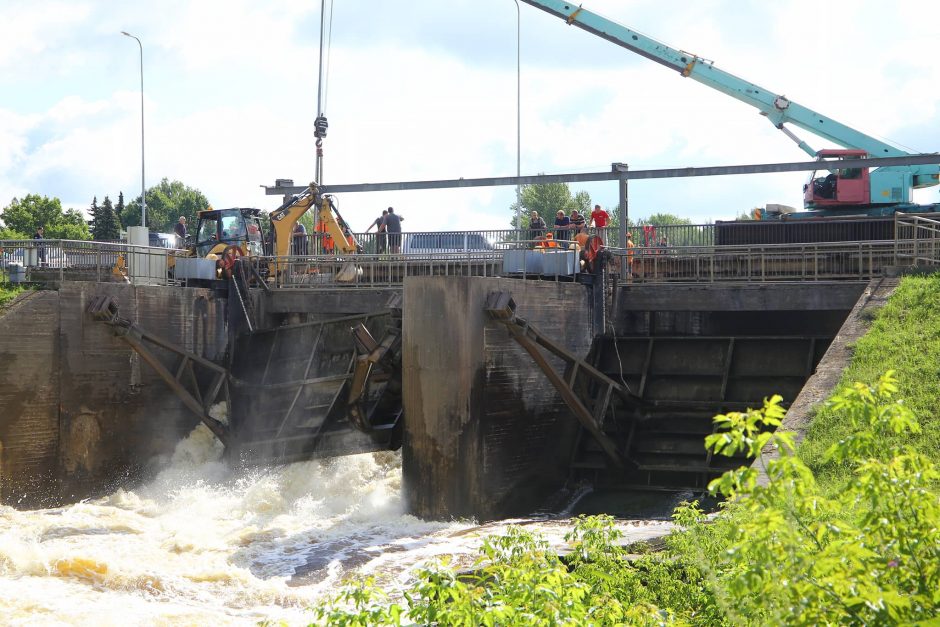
(427, 90)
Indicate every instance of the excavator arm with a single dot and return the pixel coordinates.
(777, 108)
(329, 221)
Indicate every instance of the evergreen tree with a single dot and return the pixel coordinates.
(119, 210)
(93, 211)
(107, 226)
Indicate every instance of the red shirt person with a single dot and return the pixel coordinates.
(599, 217)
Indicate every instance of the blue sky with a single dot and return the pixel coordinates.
(427, 90)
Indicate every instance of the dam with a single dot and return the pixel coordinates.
(507, 391)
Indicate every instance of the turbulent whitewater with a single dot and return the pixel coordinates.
(201, 544)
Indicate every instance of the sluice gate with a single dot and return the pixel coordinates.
(293, 392)
(317, 389)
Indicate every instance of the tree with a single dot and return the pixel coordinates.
(119, 210)
(106, 225)
(677, 231)
(166, 202)
(25, 216)
(94, 211)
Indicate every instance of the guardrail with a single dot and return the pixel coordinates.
(366, 271)
(765, 263)
(50, 260)
(917, 240)
(480, 253)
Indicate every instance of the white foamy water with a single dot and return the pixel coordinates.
(202, 544)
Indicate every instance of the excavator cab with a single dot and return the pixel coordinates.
(220, 228)
(837, 186)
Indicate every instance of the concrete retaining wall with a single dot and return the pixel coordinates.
(486, 435)
(79, 413)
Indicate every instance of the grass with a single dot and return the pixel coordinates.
(8, 292)
(904, 337)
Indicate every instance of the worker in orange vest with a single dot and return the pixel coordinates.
(630, 247)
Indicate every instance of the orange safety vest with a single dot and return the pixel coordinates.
(327, 240)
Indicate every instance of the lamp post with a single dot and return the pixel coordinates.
(143, 190)
(518, 115)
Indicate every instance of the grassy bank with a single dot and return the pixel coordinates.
(8, 292)
(904, 337)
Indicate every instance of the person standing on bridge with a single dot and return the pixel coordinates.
(39, 235)
(599, 217)
(562, 225)
(393, 228)
(180, 230)
(536, 228)
(381, 244)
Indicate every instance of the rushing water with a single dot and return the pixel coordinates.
(201, 544)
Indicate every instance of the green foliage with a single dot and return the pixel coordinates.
(23, 217)
(904, 337)
(516, 581)
(105, 224)
(166, 202)
(664, 219)
(785, 554)
(8, 293)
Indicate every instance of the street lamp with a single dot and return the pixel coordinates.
(143, 190)
(518, 115)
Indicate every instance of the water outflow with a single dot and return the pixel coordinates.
(201, 544)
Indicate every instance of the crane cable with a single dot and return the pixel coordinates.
(320, 124)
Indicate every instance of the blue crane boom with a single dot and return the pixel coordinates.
(888, 185)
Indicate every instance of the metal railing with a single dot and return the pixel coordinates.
(501, 252)
(49, 261)
(367, 271)
(764, 263)
(917, 240)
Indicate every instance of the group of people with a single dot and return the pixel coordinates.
(388, 232)
(566, 227)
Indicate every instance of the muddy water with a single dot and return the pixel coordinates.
(201, 544)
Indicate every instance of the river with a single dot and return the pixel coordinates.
(204, 544)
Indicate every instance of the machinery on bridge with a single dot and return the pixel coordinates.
(838, 192)
(232, 233)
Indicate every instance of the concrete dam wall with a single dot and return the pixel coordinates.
(79, 412)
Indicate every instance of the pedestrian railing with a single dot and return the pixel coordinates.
(367, 271)
(50, 261)
(491, 253)
(917, 240)
(772, 262)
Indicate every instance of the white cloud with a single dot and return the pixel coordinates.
(231, 97)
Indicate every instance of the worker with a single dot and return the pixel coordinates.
(180, 230)
(548, 241)
(562, 226)
(325, 241)
(578, 222)
(393, 228)
(39, 235)
(300, 239)
(599, 217)
(581, 239)
(630, 247)
(381, 242)
(536, 226)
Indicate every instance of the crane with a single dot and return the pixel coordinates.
(880, 191)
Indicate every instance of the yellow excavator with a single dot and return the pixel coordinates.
(227, 234)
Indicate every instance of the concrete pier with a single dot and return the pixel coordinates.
(79, 412)
(486, 436)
